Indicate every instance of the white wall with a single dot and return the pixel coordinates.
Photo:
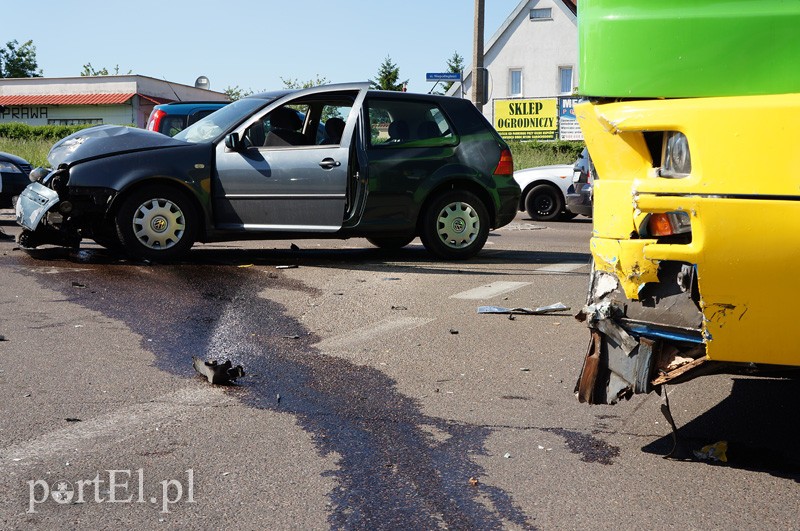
(537, 47)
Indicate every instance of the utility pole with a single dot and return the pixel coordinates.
(478, 78)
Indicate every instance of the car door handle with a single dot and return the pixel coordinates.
(328, 163)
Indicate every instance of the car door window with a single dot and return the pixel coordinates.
(395, 123)
(302, 123)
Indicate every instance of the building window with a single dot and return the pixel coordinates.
(74, 121)
(542, 13)
(565, 79)
(515, 86)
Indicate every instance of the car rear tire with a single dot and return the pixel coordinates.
(455, 225)
(544, 203)
(157, 223)
(397, 242)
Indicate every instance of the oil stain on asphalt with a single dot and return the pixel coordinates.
(392, 472)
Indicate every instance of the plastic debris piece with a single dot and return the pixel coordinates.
(217, 373)
(293, 266)
(713, 452)
(453, 331)
(541, 310)
(294, 247)
(72, 419)
(391, 278)
(399, 308)
(78, 285)
(507, 455)
(473, 481)
(245, 265)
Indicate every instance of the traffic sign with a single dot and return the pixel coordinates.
(443, 76)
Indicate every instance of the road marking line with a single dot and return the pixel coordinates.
(490, 290)
(378, 329)
(560, 268)
(111, 427)
(57, 270)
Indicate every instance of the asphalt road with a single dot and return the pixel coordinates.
(375, 396)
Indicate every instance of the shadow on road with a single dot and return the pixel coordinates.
(758, 420)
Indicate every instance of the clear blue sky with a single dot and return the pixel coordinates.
(251, 45)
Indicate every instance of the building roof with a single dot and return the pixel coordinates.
(66, 99)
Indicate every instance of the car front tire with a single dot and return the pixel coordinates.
(157, 223)
(455, 225)
(544, 203)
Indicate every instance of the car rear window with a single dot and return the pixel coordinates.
(403, 123)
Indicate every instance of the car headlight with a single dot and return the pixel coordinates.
(677, 160)
(38, 174)
(669, 224)
(8, 167)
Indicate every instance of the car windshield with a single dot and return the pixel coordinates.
(218, 122)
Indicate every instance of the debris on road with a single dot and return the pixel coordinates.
(542, 310)
(293, 266)
(473, 481)
(453, 331)
(217, 373)
(399, 308)
(78, 285)
(713, 452)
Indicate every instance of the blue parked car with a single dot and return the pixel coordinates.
(172, 118)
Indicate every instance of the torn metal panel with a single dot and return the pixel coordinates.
(625, 259)
(541, 310)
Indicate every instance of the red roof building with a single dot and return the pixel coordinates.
(123, 100)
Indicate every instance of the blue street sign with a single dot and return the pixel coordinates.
(443, 76)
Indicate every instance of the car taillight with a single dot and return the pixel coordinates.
(154, 122)
(506, 164)
(669, 223)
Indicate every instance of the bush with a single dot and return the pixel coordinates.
(52, 133)
(533, 154)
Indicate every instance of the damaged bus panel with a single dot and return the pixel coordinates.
(695, 197)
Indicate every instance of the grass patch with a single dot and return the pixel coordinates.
(34, 151)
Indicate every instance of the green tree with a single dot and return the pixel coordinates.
(388, 75)
(236, 93)
(19, 60)
(89, 70)
(295, 84)
(455, 65)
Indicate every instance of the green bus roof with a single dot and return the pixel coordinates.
(688, 48)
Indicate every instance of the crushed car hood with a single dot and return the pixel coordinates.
(105, 140)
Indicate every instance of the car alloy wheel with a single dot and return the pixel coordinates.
(455, 225)
(458, 225)
(157, 223)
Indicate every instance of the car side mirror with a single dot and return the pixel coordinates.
(233, 142)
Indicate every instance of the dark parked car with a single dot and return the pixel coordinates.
(14, 174)
(172, 118)
(579, 198)
(392, 166)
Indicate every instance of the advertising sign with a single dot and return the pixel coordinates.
(568, 128)
(524, 119)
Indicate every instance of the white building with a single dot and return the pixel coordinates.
(532, 56)
(121, 100)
